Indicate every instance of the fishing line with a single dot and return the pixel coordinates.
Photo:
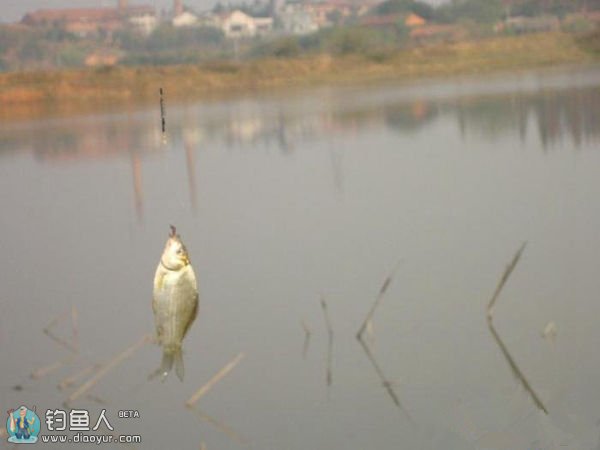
(163, 127)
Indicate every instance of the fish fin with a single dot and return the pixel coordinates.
(179, 370)
(165, 366)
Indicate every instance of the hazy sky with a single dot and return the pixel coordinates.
(13, 10)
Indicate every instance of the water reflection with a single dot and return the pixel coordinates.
(321, 193)
(555, 116)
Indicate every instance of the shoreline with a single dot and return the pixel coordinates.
(78, 90)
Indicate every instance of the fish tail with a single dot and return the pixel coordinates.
(179, 370)
(166, 365)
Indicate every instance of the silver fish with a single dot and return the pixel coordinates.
(174, 302)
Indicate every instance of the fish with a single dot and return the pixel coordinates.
(174, 303)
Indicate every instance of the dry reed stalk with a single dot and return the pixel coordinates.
(509, 359)
(72, 379)
(214, 380)
(219, 425)
(71, 346)
(48, 369)
(385, 382)
(329, 375)
(307, 335)
(507, 272)
(378, 300)
(108, 367)
(516, 370)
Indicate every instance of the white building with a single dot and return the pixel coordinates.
(144, 23)
(295, 20)
(238, 24)
(185, 19)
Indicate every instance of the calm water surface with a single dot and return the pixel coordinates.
(286, 199)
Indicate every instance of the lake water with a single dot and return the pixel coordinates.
(287, 199)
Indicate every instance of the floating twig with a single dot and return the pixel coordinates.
(307, 334)
(43, 371)
(509, 359)
(147, 338)
(219, 425)
(376, 303)
(329, 375)
(214, 380)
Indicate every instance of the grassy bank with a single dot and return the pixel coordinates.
(77, 88)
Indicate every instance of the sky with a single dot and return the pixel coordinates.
(14, 10)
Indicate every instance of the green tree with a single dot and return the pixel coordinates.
(31, 50)
(71, 56)
(482, 11)
(350, 40)
(335, 17)
(56, 33)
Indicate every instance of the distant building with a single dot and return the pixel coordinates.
(295, 20)
(145, 23)
(413, 20)
(236, 24)
(323, 11)
(185, 19)
(88, 21)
